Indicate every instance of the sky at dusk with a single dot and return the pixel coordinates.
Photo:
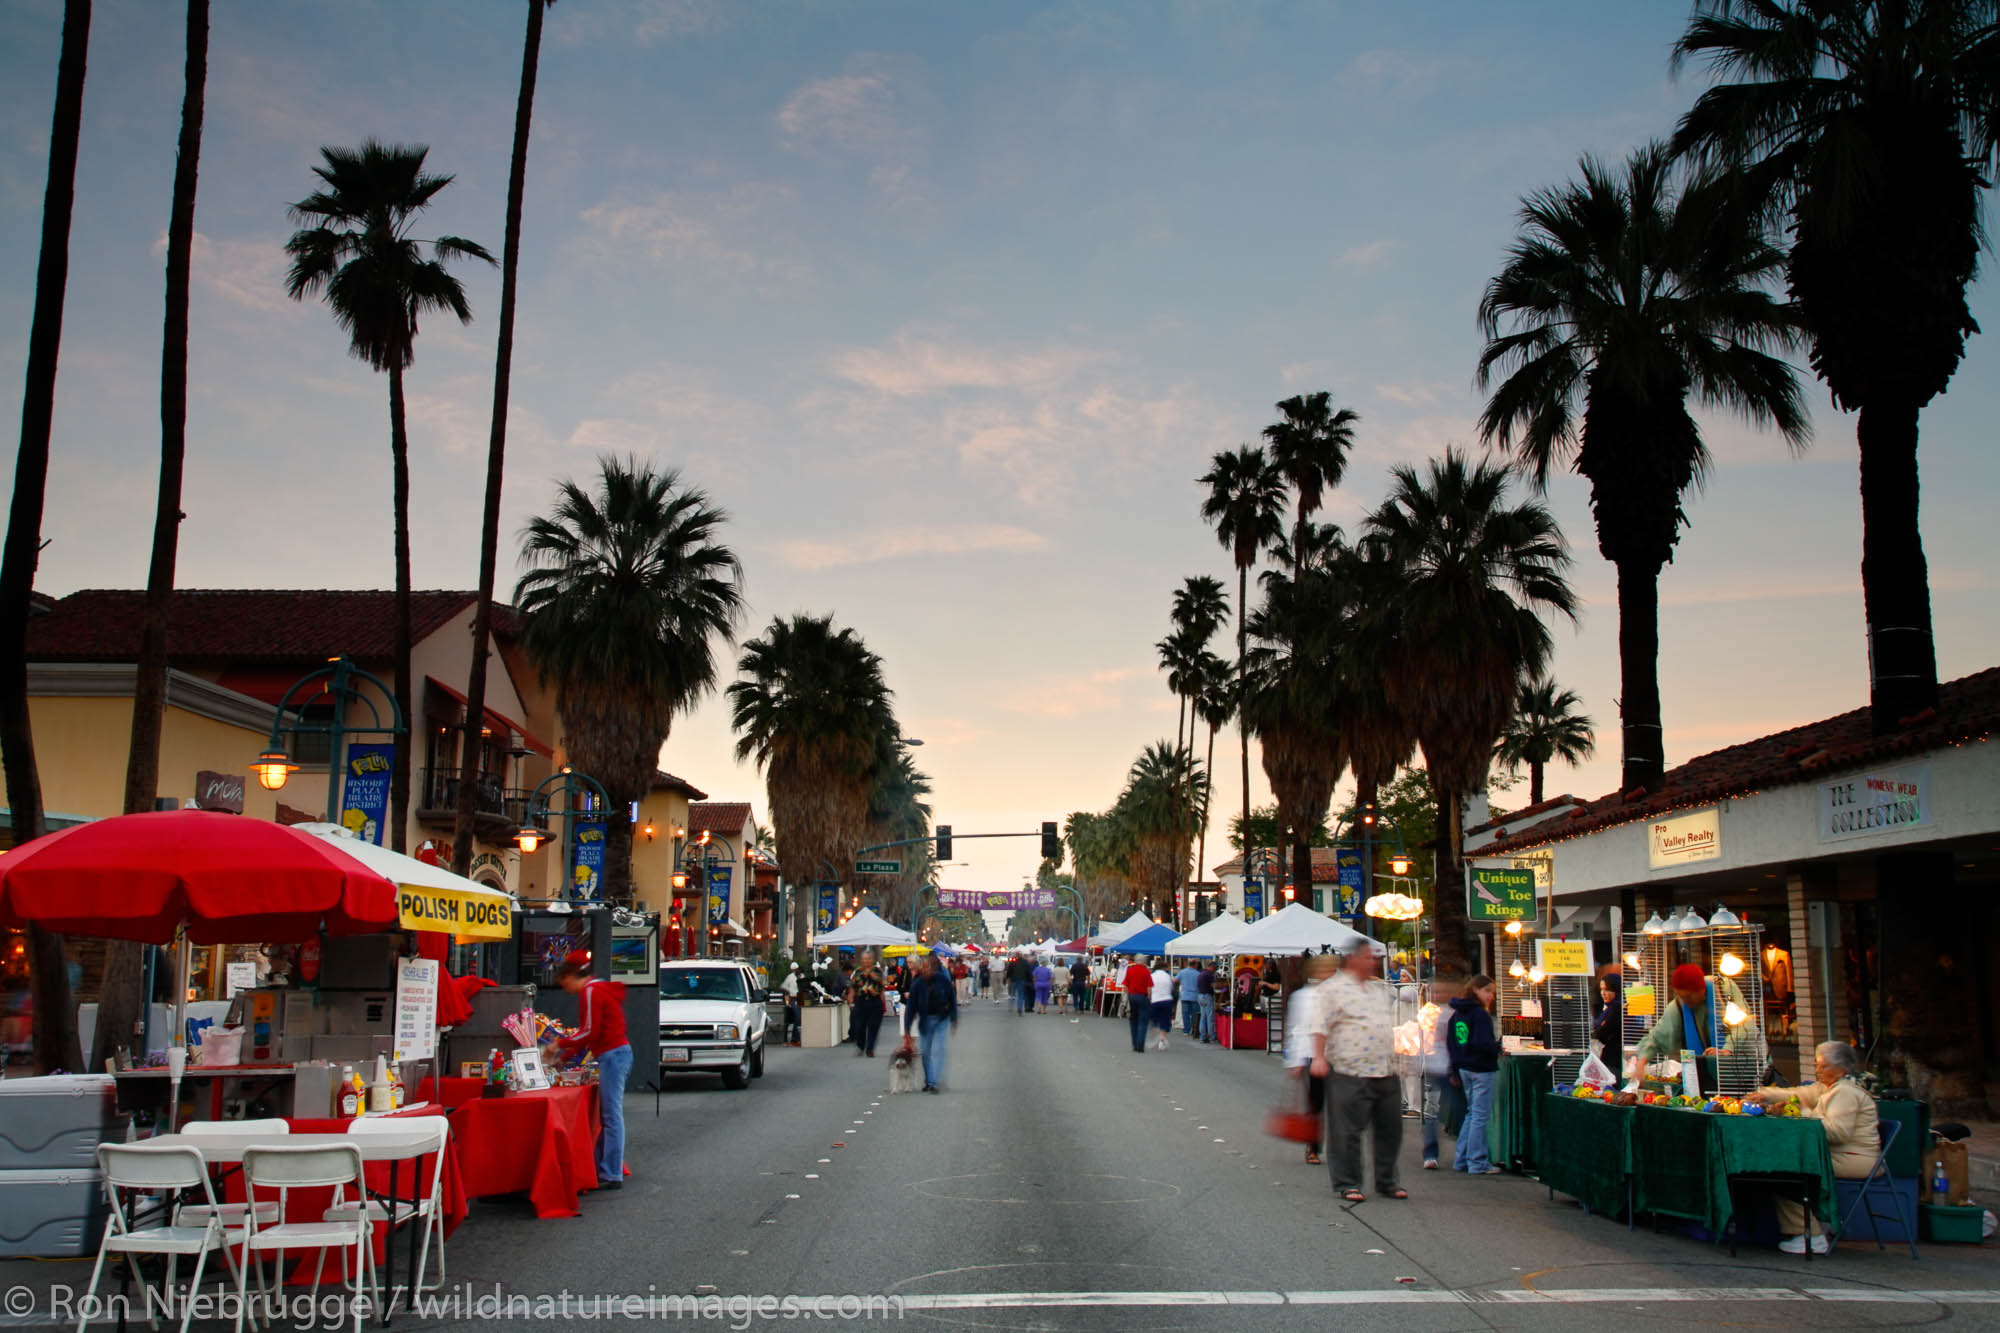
(947, 304)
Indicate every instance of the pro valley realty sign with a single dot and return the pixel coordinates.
(1684, 839)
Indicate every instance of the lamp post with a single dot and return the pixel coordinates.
(581, 795)
(339, 680)
(701, 853)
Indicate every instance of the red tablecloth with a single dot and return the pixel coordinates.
(543, 1144)
(450, 1093)
(412, 1180)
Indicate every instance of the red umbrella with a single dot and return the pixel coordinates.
(230, 879)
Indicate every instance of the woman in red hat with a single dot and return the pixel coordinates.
(601, 1032)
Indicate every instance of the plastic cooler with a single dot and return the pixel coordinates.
(49, 1132)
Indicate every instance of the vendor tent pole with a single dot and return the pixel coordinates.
(182, 976)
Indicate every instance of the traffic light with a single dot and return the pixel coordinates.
(1051, 843)
(943, 843)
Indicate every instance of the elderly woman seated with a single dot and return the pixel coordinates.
(1838, 1101)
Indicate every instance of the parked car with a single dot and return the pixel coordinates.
(712, 1020)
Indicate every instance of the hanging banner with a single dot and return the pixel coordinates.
(587, 869)
(1347, 900)
(364, 800)
(825, 914)
(718, 894)
(1253, 900)
(1005, 900)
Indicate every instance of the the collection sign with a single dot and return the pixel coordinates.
(1886, 800)
(1684, 839)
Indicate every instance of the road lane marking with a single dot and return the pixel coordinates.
(998, 1300)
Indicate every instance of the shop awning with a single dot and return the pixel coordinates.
(428, 897)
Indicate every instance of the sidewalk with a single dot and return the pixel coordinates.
(1983, 1162)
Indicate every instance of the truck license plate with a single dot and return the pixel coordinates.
(673, 1055)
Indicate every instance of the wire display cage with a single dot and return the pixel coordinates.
(1520, 992)
(1727, 950)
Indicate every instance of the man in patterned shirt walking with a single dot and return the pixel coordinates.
(1353, 1051)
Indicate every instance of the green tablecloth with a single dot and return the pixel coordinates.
(1513, 1120)
(1682, 1160)
(1586, 1151)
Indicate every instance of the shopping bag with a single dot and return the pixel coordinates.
(1596, 1073)
(1294, 1121)
(1957, 1174)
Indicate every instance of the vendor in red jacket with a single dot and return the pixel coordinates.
(600, 1030)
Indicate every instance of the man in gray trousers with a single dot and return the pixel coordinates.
(1354, 1052)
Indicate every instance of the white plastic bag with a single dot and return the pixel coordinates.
(1596, 1073)
(219, 1047)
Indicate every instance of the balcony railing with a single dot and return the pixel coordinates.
(507, 805)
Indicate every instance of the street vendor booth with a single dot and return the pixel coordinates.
(1256, 1013)
(824, 1023)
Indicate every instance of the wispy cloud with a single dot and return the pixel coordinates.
(1388, 73)
(1418, 392)
(919, 361)
(247, 272)
(865, 114)
(1366, 256)
(901, 542)
(700, 234)
(1079, 693)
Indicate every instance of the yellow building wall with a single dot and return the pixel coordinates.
(81, 745)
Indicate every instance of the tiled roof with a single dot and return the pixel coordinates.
(244, 626)
(1324, 869)
(723, 817)
(665, 781)
(1968, 710)
(1526, 815)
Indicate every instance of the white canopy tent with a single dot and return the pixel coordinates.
(1124, 930)
(1296, 930)
(1209, 939)
(863, 930)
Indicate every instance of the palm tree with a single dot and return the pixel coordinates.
(1156, 810)
(1178, 654)
(1546, 727)
(1872, 124)
(1295, 696)
(496, 448)
(1215, 704)
(1309, 444)
(1625, 294)
(1246, 503)
(124, 961)
(811, 707)
(354, 245)
(55, 1015)
(1475, 573)
(897, 812)
(1199, 608)
(628, 590)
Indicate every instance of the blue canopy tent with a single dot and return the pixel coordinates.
(1153, 939)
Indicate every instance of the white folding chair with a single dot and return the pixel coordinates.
(427, 1206)
(142, 1170)
(232, 1214)
(289, 1168)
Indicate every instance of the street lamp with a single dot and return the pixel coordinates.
(339, 680)
(581, 796)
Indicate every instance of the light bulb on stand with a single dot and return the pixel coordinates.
(1517, 969)
(1733, 1014)
(1534, 976)
(1731, 966)
(1632, 961)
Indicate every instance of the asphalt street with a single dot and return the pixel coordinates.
(1064, 1182)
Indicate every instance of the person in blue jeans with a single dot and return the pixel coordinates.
(934, 1000)
(1444, 1102)
(1186, 984)
(600, 1031)
(1475, 1060)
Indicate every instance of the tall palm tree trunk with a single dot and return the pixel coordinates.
(1535, 767)
(118, 999)
(1455, 950)
(1895, 580)
(55, 1014)
(496, 451)
(399, 455)
(1302, 861)
(1242, 713)
(616, 886)
(1639, 677)
(1207, 797)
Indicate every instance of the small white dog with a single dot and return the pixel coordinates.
(904, 1075)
